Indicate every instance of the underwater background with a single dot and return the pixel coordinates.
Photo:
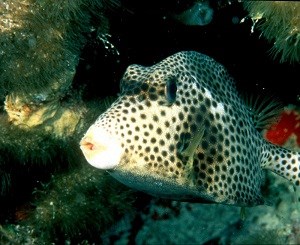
(61, 64)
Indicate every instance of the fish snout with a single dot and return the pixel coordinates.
(101, 149)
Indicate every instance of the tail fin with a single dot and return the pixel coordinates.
(283, 162)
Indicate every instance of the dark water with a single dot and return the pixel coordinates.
(147, 34)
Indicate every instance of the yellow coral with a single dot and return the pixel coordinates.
(59, 120)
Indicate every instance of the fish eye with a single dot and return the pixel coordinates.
(171, 89)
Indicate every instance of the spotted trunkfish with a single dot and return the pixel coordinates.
(179, 129)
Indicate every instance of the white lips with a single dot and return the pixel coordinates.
(100, 149)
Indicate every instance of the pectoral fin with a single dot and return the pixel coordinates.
(194, 141)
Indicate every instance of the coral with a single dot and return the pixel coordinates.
(83, 201)
(199, 14)
(286, 131)
(62, 119)
(279, 22)
(37, 59)
(256, 236)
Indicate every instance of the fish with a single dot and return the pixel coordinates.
(180, 129)
(200, 14)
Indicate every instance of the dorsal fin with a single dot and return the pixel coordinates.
(265, 109)
(283, 162)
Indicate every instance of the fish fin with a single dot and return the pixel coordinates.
(195, 139)
(265, 109)
(243, 213)
(283, 162)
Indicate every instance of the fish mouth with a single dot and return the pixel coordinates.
(101, 149)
